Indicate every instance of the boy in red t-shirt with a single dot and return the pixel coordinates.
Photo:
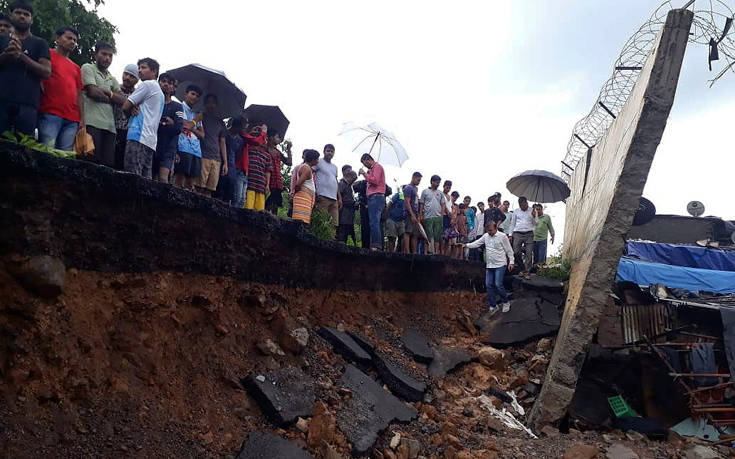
(60, 114)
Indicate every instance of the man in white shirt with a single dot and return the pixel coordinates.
(498, 255)
(522, 224)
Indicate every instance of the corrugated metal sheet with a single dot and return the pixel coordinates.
(644, 320)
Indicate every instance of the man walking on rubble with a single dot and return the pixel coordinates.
(498, 256)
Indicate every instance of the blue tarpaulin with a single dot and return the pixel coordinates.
(689, 256)
(692, 279)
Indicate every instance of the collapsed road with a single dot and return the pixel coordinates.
(113, 344)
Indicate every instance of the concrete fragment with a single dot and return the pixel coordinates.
(700, 452)
(492, 358)
(530, 318)
(346, 346)
(620, 451)
(303, 425)
(367, 345)
(447, 359)
(417, 345)
(538, 283)
(42, 275)
(414, 447)
(400, 383)
(369, 411)
(261, 445)
(395, 441)
(284, 395)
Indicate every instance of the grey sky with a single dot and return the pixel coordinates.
(476, 91)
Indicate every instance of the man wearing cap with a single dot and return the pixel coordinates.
(129, 79)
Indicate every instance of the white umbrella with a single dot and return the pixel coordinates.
(379, 142)
(539, 186)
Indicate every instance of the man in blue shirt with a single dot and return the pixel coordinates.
(148, 101)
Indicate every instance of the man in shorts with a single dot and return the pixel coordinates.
(188, 164)
(143, 126)
(214, 148)
(169, 129)
(327, 197)
(411, 199)
(432, 208)
(395, 224)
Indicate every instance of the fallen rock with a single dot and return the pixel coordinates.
(620, 451)
(530, 318)
(268, 347)
(447, 359)
(283, 395)
(42, 275)
(543, 345)
(295, 340)
(322, 426)
(701, 452)
(414, 447)
(303, 425)
(492, 358)
(550, 431)
(417, 345)
(581, 451)
(346, 346)
(369, 411)
(260, 445)
(401, 384)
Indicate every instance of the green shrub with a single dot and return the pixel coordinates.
(321, 225)
(31, 143)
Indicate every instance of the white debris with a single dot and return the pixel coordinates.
(260, 378)
(507, 418)
(516, 406)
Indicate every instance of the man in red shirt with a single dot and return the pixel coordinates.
(60, 115)
(375, 177)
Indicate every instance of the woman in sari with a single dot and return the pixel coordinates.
(304, 187)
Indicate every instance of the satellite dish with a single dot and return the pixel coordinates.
(695, 208)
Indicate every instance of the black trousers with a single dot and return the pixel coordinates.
(364, 227)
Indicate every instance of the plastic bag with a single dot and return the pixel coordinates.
(83, 143)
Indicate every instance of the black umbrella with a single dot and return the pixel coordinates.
(270, 115)
(538, 186)
(230, 98)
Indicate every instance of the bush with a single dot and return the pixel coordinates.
(321, 225)
(556, 268)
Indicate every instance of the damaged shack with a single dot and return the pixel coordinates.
(664, 354)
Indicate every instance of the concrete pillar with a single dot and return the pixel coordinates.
(601, 207)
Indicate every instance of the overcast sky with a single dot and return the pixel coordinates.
(476, 91)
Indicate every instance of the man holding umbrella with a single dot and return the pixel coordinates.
(522, 224)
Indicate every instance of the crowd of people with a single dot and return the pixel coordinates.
(138, 127)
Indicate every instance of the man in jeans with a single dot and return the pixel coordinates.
(432, 207)
(498, 254)
(375, 178)
(61, 101)
(24, 62)
(522, 224)
(327, 197)
(540, 235)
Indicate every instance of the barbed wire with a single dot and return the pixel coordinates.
(711, 26)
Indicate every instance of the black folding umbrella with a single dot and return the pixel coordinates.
(538, 186)
(230, 98)
(270, 115)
